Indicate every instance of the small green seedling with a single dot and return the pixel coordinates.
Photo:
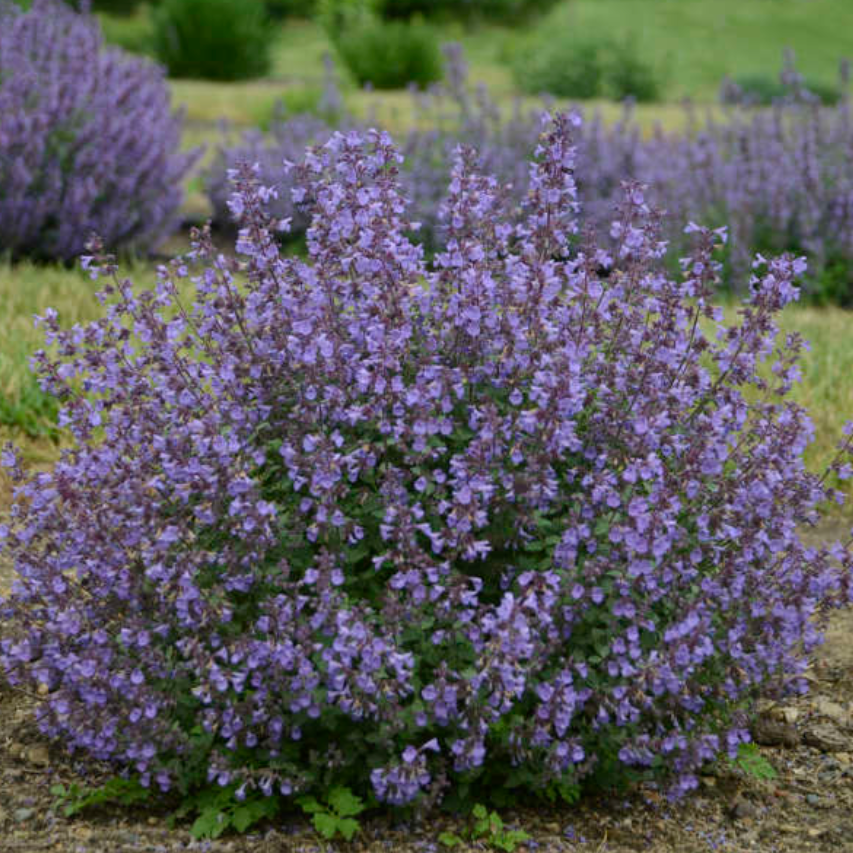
(337, 815)
(488, 827)
(218, 809)
(753, 763)
(74, 798)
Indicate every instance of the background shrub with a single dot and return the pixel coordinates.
(390, 55)
(584, 66)
(510, 520)
(571, 67)
(87, 138)
(628, 75)
(502, 11)
(213, 39)
(291, 8)
(764, 90)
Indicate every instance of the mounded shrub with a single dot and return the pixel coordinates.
(501, 11)
(628, 75)
(511, 520)
(213, 39)
(88, 141)
(390, 54)
(291, 8)
(564, 67)
(580, 65)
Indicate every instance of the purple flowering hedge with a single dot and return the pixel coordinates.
(509, 520)
(88, 142)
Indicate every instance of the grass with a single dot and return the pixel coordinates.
(698, 42)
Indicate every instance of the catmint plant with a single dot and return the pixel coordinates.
(513, 516)
(88, 142)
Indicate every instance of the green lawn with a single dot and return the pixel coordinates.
(700, 41)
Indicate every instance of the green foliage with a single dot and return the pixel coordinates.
(337, 815)
(753, 763)
(628, 75)
(501, 11)
(390, 55)
(291, 8)
(336, 16)
(834, 283)
(764, 89)
(584, 66)
(218, 809)
(74, 798)
(213, 39)
(571, 68)
(486, 827)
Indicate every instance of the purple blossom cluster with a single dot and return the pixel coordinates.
(88, 142)
(444, 116)
(779, 179)
(511, 515)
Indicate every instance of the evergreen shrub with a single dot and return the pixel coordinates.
(510, 520)
(88, 141)
(213, 39)
(499, 11)
(390, 54)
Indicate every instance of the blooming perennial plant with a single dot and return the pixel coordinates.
(88, 142)
(779, 179)
(356, 520)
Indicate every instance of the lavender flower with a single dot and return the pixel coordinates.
(88, 142)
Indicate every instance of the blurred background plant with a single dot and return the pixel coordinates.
(88, 139)
(213, 39)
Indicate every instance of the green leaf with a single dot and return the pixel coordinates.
(344, 802)
(448, 839)
(348, 827)
(753, 763)
(326, 824)
(309, 805)
(480, 811)
(209, 824)
(243, 818)
(252, 811)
